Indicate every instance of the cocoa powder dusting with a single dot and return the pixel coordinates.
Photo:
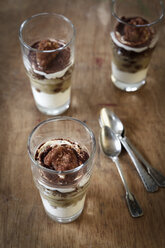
(49, 62)
(61, 158)
(131, 35)
(45, 59)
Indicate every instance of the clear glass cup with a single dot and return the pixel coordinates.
(134, 36)
(63, 200)
(47, 44)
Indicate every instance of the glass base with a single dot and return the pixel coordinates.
(64, 220)
(53, 111)
(127, 86)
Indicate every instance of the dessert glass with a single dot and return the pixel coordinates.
(47, 44)
(134, 36)
(62, 192)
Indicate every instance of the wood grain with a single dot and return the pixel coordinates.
(105, 221)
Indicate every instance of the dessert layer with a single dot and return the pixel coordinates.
(44, 62)
(134, 49)
(130, 61)
(48, 100)
(52, 86)
(128, 77)
(132, 46)
(56, 75)
(131, 35)
(61, 158)
(61, 155)
(63, 211)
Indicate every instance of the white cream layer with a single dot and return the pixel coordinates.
(81, 183)
(64, 212)
(51, 100)
(54, 75)
(127, 77)
(137, 50)
(26, 63)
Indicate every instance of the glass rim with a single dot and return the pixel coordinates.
(143, 25)
(64, 118)
(24, 23)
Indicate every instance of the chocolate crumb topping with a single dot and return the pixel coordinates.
(61, 157)
(131, 35)
(45, 59)
(49, 62)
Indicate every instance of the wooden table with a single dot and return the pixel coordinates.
(105, 221)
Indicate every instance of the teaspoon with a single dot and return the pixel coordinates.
(111, 146)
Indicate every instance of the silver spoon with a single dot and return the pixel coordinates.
(111, 146)
(108, 118)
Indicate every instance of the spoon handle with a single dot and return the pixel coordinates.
(133, 206)
(156, 175)
(147, 180)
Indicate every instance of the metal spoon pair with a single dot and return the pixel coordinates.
(153, 178)
(111, 137)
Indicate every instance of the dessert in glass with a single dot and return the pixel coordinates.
(47, 44)
(134, 37)
(62, 150)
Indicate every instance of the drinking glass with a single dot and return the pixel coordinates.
(47, 44)
(134, 36)
(62, 192)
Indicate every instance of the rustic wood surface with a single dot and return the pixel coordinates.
(105, 221)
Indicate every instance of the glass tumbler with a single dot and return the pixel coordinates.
(62, 192)
(47, 44)
(134, 36)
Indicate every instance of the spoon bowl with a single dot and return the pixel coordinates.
(108, 118)
(109, 142)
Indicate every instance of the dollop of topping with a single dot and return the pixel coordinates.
(61, 157)
(131, 35)
(44, 59)
(49, 62)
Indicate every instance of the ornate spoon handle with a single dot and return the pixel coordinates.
(147, 180)
(133, 206)
(156, 175)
